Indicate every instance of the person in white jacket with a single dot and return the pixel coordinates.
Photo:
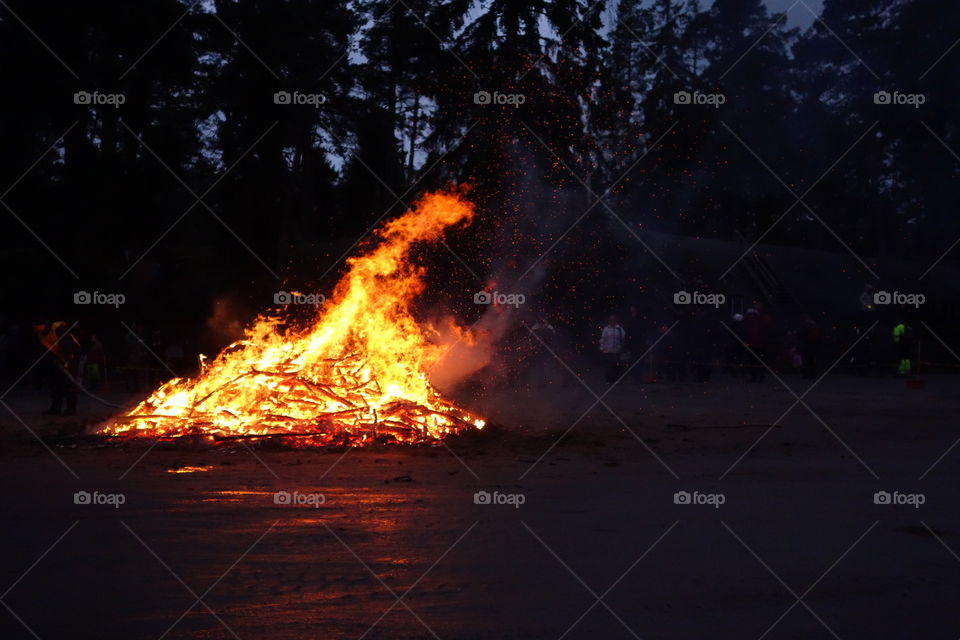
(612, 340)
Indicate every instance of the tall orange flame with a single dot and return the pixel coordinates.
(356, 374)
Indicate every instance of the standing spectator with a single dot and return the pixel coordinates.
(95, 364)
(757, 329)
(905, 341)
(702, 337)
(732, 349)
(809, 346)
(136, 358)
(59, 365)
(866, 300)
(862, 358)
(636, 343)
(612, 340)
(676, 344)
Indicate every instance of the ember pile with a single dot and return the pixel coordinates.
(357, 374)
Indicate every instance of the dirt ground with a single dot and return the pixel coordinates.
(588, 542)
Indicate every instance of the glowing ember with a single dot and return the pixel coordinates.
(190, 469)
(356, 374)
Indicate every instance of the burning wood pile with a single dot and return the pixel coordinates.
(357, 374)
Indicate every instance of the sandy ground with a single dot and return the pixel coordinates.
(598, 549)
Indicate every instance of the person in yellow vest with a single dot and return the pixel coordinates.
(58, 365)
(904, 339)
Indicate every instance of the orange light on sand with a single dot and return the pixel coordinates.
(357, 373)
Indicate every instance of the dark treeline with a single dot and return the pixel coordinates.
(111, 201)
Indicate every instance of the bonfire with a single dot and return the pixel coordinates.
(356, 374)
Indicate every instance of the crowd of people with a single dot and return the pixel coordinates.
(694, 343)
(691, 343)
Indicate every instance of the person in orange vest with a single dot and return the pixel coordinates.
(58, 365)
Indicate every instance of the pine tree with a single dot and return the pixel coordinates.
(746, 53)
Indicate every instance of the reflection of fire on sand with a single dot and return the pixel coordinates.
(356, 374)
